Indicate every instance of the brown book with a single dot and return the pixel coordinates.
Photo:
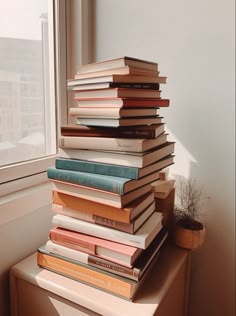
(117, 93)
(72, 204)
(138, 79)
(145, 131)
(111, 112)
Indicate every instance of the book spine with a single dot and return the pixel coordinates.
(149, 86)
(101, 280)
(127, 228)
(93, 167)
(101, 182)
(131, 273)
(103, 133)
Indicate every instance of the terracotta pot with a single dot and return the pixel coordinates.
(187, 238)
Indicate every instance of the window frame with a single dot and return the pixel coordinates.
(28, 173)
(73, 45)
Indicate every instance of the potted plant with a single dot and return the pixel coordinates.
(189, 231)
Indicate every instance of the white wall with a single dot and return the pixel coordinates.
(193, 42)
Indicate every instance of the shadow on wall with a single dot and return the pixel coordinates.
(213, 272)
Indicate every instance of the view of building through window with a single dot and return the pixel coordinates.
(25, 109)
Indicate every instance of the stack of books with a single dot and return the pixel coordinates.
(107, 231)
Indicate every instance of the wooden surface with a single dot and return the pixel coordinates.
(38, 292)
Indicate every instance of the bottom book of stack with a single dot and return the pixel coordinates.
(120, 272)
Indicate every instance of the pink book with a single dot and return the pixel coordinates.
(109, 250)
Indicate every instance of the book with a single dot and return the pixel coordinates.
(134, 272)
(144, 131)
(141, 239)
(116, 78)
(118, 62)
(123, 158)
(117, 93)
(104, 85)
(70, 205)
(100, 181)
(166, 207)
(103, 280)
(130, 228)
(164, 186)
(112, 144)
(99, 196)
(111, 122)
(109, 250)
(126, 70)
(123, 102)
(111, 169)
(112, 112)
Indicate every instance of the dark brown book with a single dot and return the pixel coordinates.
(146, 131)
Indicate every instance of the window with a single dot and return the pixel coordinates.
(30, 58)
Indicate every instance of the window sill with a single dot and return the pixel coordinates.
(25, 201)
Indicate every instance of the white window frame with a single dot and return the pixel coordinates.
(20, 195)
(29, 173)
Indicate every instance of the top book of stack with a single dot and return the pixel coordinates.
(114, 70)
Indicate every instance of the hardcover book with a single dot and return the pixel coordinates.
(116, 122)
(134, 273)
(144, 131)
(111, 112)
(130, 228)
(100, 196)
(109, 250)
(117, 93)
(70, 205)
(105, 85)
(141, 239)
(124, 102)
(111, 169)
(126, 70)
(116, 144)
(99, 181)
(117, 79)
(103, 280)
(118, 62)
(133, 159)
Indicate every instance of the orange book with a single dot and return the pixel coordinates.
(124, 215)
(106, 281)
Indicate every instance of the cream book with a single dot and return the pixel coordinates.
(141, 239)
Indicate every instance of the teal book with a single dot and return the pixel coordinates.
(98, 168)
(99, 181)
(113, 169)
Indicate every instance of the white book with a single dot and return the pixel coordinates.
(91, 218)
(116, 122)
(112, 144)
(141, 239)
(130, 159)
